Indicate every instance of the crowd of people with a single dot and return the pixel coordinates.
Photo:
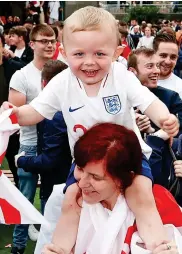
(31, 12)
(126, 80)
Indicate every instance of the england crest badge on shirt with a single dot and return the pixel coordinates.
(112, 104)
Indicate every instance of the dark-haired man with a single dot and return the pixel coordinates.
(144, 64)
(19, 54)
(166, 49)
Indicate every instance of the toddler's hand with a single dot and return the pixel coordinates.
(178, 168)
(18, 156)
(6, 105)
(171, 125)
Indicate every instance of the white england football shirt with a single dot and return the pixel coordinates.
(119, 92)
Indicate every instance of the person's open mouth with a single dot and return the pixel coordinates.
(154, 78)
(90, 73)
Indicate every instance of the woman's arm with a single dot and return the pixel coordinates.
(65, 233)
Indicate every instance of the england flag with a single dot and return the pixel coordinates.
(14, 207)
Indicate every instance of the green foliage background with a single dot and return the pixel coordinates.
(148, 13)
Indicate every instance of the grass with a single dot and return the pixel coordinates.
(6, 231)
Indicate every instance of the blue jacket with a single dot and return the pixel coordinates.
(161, 162)
(53, 161)
(172, 100)
(11, 65)
(160, 159)
(179, 61)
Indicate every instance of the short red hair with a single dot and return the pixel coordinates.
(117, 146)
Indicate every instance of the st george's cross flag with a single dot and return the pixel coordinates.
(14, 207)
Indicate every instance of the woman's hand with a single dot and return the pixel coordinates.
(178, 168)
(52, 249)
(166, 248)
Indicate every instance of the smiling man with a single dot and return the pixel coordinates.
(166, 48)
(144, 63)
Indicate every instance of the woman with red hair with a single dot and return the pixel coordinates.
(108, 157)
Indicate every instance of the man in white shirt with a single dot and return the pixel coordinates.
(166, 48)
(53, 11)
(25, 85)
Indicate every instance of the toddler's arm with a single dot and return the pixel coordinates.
(26, 114)
(159, 114)
(140, 199)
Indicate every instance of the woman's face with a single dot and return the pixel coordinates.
(96, 185)
(147, 31)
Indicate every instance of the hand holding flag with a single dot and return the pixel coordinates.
(14, 207)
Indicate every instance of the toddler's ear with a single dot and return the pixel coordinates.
(62, 51)
(118, 52)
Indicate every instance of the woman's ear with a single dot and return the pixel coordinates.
(118, 184)
(118, 52)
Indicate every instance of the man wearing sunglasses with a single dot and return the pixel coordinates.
(25, 85)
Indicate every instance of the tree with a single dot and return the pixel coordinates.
(147, 13)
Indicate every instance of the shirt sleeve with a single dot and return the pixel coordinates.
(54, 148)
(50, 100)
(18, 82)
(138, 95)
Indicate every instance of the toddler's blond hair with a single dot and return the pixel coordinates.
(89, 19)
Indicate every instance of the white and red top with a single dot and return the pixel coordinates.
(114, 232)
(119, 92)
